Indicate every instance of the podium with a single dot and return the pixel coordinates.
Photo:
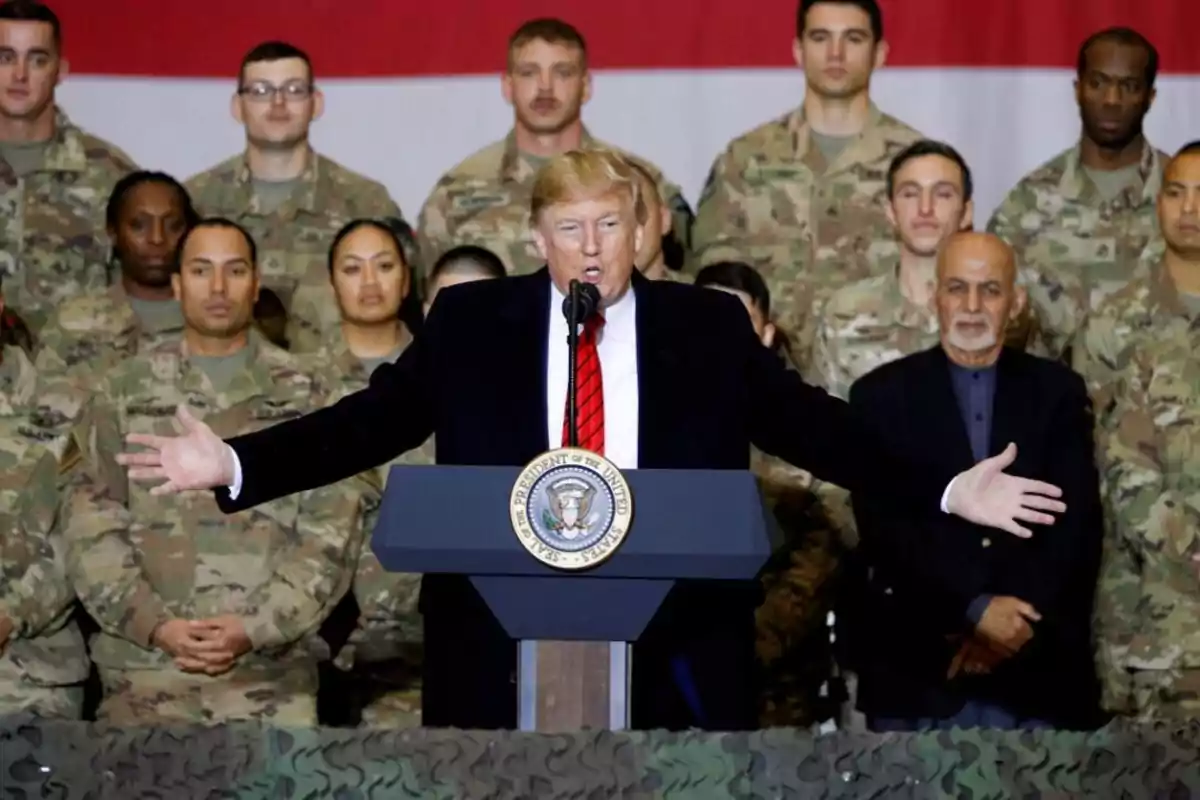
(574, 629)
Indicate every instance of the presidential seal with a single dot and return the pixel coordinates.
(571, 508)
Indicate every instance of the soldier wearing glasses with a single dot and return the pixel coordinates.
(290, 198)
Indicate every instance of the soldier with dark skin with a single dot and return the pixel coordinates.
(1079, 222)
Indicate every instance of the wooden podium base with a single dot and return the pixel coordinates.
(569, 686)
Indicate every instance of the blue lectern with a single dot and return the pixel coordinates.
(574, 628)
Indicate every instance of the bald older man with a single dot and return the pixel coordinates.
(507, 340)
(962, 627)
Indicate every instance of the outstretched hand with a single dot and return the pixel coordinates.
(986, 495)
(197, 459)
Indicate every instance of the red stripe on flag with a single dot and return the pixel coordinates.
(361, 38)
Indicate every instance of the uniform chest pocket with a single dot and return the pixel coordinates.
(777, 197)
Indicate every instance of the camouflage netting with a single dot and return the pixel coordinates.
(82, 760)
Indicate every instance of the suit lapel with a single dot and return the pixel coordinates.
(945, 415)
(526, 314)
(656, 364)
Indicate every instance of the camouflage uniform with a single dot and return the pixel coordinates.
(485, 200)
(1149, 594)
(137, 560)
(384, 652)
(52, 241)
(90, 334)
(44, 662)
(1102, 344)
(866, 325)
(1073, 248)
(772, 201)
(293, 240)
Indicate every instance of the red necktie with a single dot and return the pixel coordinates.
(589, 392)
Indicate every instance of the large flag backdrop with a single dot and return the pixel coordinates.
(412, 85)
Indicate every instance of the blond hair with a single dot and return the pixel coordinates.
(586, 174)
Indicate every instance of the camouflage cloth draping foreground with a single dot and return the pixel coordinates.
(81, 760)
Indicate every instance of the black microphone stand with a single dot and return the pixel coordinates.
(572, 353)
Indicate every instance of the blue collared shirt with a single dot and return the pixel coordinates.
(975, 390)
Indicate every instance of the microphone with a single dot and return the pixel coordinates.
(581, 302)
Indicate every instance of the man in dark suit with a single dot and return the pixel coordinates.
(963, 627)
(505, 342)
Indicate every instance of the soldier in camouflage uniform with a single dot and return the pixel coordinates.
(371, 280)
(886, 317)
(484, 200)
(1146, 337)
(291, 198)
(146, 216)
(203, 616)
(54, 177)
(367, 263)
(801, 197)
(792, 640)
(1079, 222)
(461, 264)
(43, 658)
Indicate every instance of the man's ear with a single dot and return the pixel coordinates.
(539, 241)
(1020, 303)
(318, 109)
(768, 335)
(968, 216)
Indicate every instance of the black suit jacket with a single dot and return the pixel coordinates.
(476, 376)
(925, 570)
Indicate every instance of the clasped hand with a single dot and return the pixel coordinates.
(1002, 631)
(208, 646)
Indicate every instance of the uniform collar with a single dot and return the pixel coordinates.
(515, 168)
(1076, 185)
(304, 196)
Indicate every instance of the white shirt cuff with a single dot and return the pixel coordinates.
(945, 494)
(235, 488)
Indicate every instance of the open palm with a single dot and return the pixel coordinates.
(196, 459)
(986, 495)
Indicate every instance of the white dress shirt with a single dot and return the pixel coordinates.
(617, 348)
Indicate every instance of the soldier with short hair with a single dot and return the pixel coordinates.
(147, 214)
(484, 200)
(206, 617)
(461, 264)
(801, 197)
(1142, 344)
(54, 176)
(1079, 222)
(882, 318)
(291, 198)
